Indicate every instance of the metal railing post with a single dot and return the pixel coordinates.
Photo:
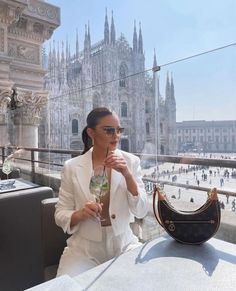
(32, 166)
(3, 154)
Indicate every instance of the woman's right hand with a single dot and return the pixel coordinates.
(90, 210)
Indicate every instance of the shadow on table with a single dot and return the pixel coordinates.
(101, 273)
(204, 254)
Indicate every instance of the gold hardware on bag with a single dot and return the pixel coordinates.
(172, 227)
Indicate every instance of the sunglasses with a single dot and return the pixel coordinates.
(109, 130)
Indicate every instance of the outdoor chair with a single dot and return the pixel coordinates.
(53, 239)
(21, 264)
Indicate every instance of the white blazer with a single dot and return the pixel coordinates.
(74, 193)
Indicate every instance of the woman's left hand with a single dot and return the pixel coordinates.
(117, 163)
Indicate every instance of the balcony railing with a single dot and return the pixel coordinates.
(189, 160)
(39, 166)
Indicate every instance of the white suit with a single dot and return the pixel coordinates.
(88, 235)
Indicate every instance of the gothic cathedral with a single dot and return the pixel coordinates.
(105, 74)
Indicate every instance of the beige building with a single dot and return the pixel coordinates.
(206, 136)
(24, 26)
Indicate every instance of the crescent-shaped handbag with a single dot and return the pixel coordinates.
(188, 227)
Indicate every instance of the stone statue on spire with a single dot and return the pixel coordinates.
(135, 39)
(113, 31)
(140, 40)
(106, 30)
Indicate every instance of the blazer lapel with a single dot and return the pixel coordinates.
(84, 172)
(115, 180)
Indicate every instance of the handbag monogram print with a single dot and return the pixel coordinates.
(189, 227)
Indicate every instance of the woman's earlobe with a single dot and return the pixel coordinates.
(90, 133)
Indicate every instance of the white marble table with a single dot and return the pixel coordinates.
(11, 185)
(163, 264)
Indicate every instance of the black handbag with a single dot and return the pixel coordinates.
(188, 227)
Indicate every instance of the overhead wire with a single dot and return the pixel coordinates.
(71, 90)
(200, 54)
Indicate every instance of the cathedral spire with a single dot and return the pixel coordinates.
(167, 87)
(85, 38)
(135, 39)
(62, 52)
(58, 66)
(87, 45)
(106, 30)
(172, 89)
(89, 38)
(154, 59)
(113, 31)
(67, 50)
(63, 74)
(53, 66)
(54, 53)
(158, 87)
(77, 45)
(50, 58)
(69, 53)
(140, 40)
(85, 35)
(58, 55)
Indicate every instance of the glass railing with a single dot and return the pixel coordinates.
(178, 116)
(185, 179)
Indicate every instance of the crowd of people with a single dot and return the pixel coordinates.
(202, 176)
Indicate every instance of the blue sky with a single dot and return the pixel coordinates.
(204, 86)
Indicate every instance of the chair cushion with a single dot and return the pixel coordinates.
(53, 237)
(50, 272)
(20, 238)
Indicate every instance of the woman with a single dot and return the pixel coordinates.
(93, 241)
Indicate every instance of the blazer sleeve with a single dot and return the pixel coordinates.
(138, 204)
(65, 206)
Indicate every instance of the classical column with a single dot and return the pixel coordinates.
(5, 99)
(24, 26)
(27, 116)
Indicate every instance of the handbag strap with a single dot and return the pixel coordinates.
(156, 194)
(155, 210)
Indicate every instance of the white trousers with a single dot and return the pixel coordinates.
(86, 254)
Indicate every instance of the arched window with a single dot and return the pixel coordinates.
(161, 128)
(122, 75)
(75, 127)
(96, 100)
(147, 128)
(124, 109)
(162, 150)
(147, 106)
